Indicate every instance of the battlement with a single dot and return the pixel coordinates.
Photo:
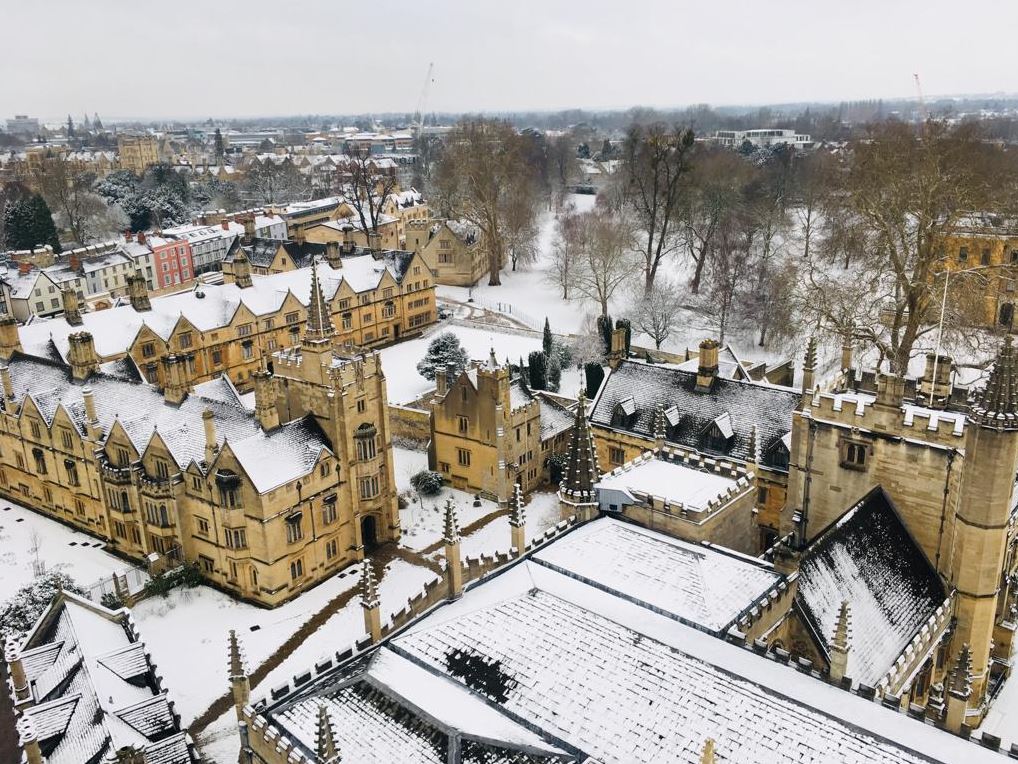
(861, 410)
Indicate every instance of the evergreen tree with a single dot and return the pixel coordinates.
(70, 127)
(554, 373)
(538, 365)
(548, 341)
(97, 125)
(29, 224)
(444, 350)
(593, 374)
(604, 328)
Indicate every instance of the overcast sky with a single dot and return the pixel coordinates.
(222, 58)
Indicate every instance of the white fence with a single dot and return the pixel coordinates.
(508, 309)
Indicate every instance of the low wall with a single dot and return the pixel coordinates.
(410, 423)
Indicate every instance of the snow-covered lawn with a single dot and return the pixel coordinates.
(220, 742)
(186, 633)
(59, 548)
(542, 513)
(400, 361)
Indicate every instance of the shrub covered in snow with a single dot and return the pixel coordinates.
(427, 482)
(19, 613)
(444, 350)
(187, 575)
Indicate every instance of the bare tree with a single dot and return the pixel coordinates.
(71, 197)
(482, 173)
(655, 161)
(367, 184)
(521, 226)
(606, 260)
(565, 251)
(270, 182)
(812, 174)
(658, 312)
(564, 166)
(907, 191)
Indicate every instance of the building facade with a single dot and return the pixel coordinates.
(137, 152)
(451, 248)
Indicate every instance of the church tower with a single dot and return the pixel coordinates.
(984, 507)
(576, 493)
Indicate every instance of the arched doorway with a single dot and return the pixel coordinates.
(369, 533)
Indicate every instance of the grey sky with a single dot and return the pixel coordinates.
(190, 58)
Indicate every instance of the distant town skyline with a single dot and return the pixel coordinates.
(240, 59)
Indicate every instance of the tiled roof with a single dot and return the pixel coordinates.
(869, 559)
(100, 692)
(747, 404)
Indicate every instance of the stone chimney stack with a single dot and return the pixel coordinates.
(240, 683)
(707, 371)
(175, 382)
(8, 383)
(348, 243)
(374, 241)
(453, 561)
(242, 270)
(890, 390)
(370, 602)
(935, 384)
(332, 255)
(82, 356)
(209, 421)
(249, 230)
(72, 312)
(618, 346)
(91, 418)
(10, 340)
(137, 291)
(265, 401)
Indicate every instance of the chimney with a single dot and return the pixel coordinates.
(72, 314)
(242, 270)
(332, 255)
(265, 401)
(10, 339)
(890, 390)
(225, 224)
(175, 382)
(82, 356)
(8, 383)
(74, 262)
(374, 241)
(935, 384)
(128, 236)
(137, 291)
(91, 418)
(141, 237)
(300, 236)
(24, 267)
(348, 243)
(249, 230)
(707, 370)
(208, 419)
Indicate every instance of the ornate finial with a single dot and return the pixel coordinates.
(492, 360)
(451, 533)
(319, 325)
(707, 757)
(236, 656)
(325, 738)
(810, 361)
(369, 587)
(754, 444)
(959, 679)
(660, 428)
(842, 627)
(581, 464)
(996, 405)
(517, 513)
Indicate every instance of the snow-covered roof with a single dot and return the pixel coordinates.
(94, 689)
(670, 480)
(702, 586)
(747, 403)
(869, 559)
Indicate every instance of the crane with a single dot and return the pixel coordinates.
(422, 102)
(922, 101)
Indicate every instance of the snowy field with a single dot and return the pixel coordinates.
(1002, 718)
(400, 361)
(59, 548)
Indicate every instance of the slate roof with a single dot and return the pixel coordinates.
(869, 559)
(269, 459)
(261, 252)
(95, 690)
(747, 404)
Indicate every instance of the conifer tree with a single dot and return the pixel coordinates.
(554, 372)
(548, 341)
(538, 365)
(593, 374)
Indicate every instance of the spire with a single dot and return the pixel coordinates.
(236, 656)
(369, 587)
(707, 757)
(842, 626)
(492, 360)
(959, 679)
(517, 513)
(810, 361)
(660, 428)
(754, 444)
(325, 738)
(581, 465)
(451, 534)
(996, 405)
(319, 326)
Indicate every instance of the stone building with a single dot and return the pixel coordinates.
(266, 503)
(451, 248)
(489, 431)
(85, 690)
(987, 244)
(233, 329)
(137, 152)
(947, 466)
(714, 409)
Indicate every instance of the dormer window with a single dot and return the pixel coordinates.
(718, 435)
(624, 413)
(780, 453)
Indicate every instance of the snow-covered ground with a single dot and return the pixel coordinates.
(1002, 718)
(400, 361)
(59, 548)
(186, 633)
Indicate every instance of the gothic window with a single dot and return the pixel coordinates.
(364, 438)
(854, 455)
(369, 487)
(40, 461)
(294, 528)
(72, 471)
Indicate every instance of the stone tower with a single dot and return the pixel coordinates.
(984, 508)
(576, 494)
